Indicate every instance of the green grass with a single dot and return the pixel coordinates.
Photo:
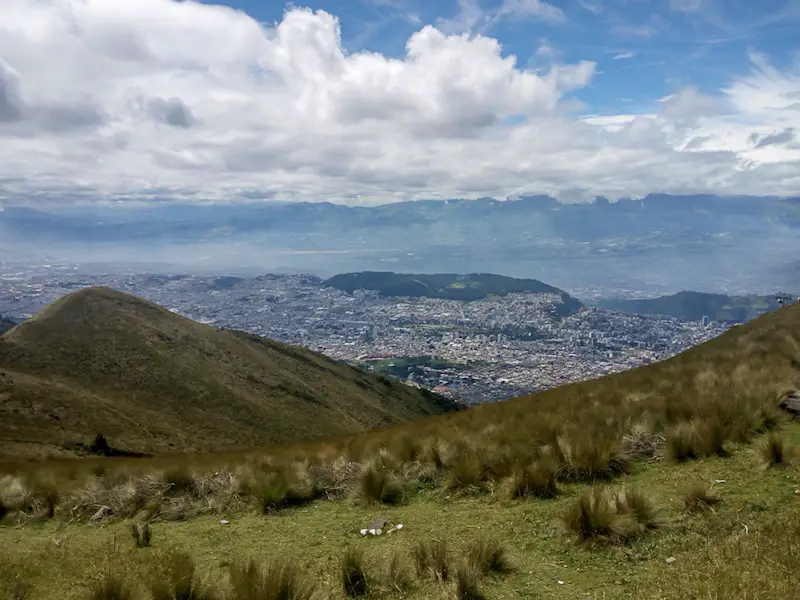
(60, 560)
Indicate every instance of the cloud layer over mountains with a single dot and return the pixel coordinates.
(158, 99)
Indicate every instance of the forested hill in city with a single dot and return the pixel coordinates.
(101, 361)
(449, 286)
(693, 306)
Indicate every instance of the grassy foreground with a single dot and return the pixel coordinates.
(743, 547)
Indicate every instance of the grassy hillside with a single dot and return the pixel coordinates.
(450, 286)
(678, 480)
(693, 306)
(99, 361)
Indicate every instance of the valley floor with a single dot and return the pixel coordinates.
(745, 548)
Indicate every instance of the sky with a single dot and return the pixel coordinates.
(374, 101)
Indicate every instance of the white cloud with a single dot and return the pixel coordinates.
(472, 18)
(533, 8)
(686, 6)
(623, 56)
(111, 98)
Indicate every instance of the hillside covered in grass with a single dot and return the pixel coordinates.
(450, 286)
(693, 306)
(100, 361)
(677, 480)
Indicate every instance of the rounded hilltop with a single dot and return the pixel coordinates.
(101, 360)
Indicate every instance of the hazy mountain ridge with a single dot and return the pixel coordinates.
(693, 306)
(571, 246)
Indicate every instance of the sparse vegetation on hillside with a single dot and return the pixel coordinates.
(489, 473)
(152, 381)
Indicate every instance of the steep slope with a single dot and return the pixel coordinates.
(149, 380)
(693, 306)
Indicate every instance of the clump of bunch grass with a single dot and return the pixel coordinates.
(432, 560)
(699, 497)
(588, 457)
(177, 580)
(775, 452)
(142, 535)
(277, 580)
(487, 555)
(398, 575)
(695, 439)
(600, 516)
(111, 586)
(464, 470)
(466, 583)
(281, 488)
(376, 485)
(537, 480)
(354, 579)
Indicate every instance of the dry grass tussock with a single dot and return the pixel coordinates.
(603, 516)
(700, 403)
(700, 497)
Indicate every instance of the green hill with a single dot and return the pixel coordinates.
(449, 286)
(693, 306)
(100, 361)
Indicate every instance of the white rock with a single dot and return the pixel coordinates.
(399, 526)
(372, 532)
(560, 582)
(378, 531)
(364, 532)
(671, 560)
(224, 522)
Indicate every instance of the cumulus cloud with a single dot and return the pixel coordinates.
(10, 98)
(164, 99)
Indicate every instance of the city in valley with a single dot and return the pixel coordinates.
(476, 351)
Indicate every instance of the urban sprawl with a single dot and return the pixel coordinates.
(477, 351)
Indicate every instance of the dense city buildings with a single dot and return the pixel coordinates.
(476, 351)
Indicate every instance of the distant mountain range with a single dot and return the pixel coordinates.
(693, 306)
(702, 242)
(449, 286)
(148, 380)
